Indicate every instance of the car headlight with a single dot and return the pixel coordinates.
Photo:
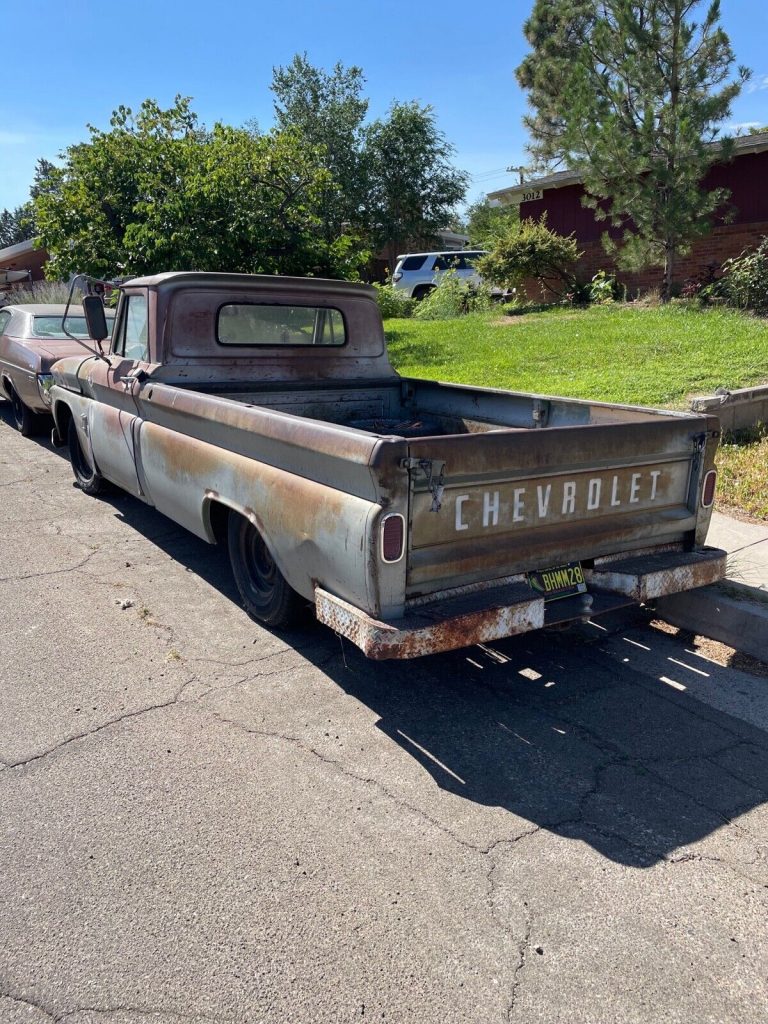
(45, 382)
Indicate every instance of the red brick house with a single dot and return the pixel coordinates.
(745, 176)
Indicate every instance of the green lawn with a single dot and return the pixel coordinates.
(743, 475)
(648, 356)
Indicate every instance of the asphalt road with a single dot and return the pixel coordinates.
(201, 820)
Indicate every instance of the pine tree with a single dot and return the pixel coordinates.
(631, 96)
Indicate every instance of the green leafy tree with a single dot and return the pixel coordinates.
(629, 93)
(485, 222)
(328, 109)
(531, 250)
(157, 191)
(413, 186)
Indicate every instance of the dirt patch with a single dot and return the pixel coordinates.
(518, 318)
(721, 654)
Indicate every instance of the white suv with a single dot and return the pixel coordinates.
(416, 274)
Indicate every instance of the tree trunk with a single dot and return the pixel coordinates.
(670, 252)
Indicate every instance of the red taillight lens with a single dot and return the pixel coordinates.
(392, 534)
(708, 490)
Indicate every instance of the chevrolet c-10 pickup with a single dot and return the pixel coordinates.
(415, 516)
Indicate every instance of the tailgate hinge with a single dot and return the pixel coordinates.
(434, 471)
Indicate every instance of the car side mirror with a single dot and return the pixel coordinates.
(95, 318)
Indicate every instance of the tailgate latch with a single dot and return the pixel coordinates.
(434, 471)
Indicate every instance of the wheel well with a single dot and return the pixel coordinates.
(62, 414)
(422, 290)
(218, 517)
(7, 384)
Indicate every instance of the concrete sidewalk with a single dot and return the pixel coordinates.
(735, 612)
(747, 547)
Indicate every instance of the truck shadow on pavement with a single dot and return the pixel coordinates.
(624, 739)
(563, 731)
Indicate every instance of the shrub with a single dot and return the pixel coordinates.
(603, 288)
(452, 298)
(745, 279)
(530, 249)
(40, 291)
(393, 304)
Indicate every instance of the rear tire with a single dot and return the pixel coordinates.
(422, 291)
(88, 478)
(266, 595)
(28, 423)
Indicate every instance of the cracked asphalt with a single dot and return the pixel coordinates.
(204, 821)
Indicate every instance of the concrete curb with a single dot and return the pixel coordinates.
(738, 410)
(732, 613)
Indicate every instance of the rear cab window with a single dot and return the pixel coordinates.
(255, 324)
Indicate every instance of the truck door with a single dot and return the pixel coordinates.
(114, 415)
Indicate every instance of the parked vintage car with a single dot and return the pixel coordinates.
(31, 340)
(263, 413)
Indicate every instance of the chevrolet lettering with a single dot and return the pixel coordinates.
(556, 499)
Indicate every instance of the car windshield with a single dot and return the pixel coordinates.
(49, 327)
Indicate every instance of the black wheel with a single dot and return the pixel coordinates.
(266, 595)
(422, 291)
(88, 478)
(27, 422)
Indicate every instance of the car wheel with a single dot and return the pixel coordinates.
(88, 478)
(422, 291)
(27, 422)
(266, 595)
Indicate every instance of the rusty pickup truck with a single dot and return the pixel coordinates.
(415, 516)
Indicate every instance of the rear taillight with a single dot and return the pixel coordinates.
(396, 276)
(392, 536)
(708, 490)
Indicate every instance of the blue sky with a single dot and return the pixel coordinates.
(83, 58)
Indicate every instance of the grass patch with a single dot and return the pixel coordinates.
(645, 356)
(742, 463)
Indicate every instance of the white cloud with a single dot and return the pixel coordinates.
(758, 83)
(744, 126)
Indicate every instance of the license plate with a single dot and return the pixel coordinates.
(560, 581)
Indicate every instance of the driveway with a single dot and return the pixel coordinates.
(201, 820)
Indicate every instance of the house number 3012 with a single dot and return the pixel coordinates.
(535, 193)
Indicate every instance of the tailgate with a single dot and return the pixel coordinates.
(516, 500)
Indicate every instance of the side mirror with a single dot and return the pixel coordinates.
(93, 308)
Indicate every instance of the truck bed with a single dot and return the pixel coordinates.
(416, 408)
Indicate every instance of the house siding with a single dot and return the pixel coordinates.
(741, 224)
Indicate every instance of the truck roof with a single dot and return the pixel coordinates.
(204, 277)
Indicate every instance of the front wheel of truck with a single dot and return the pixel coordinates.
(88, 478)
(266, 595)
